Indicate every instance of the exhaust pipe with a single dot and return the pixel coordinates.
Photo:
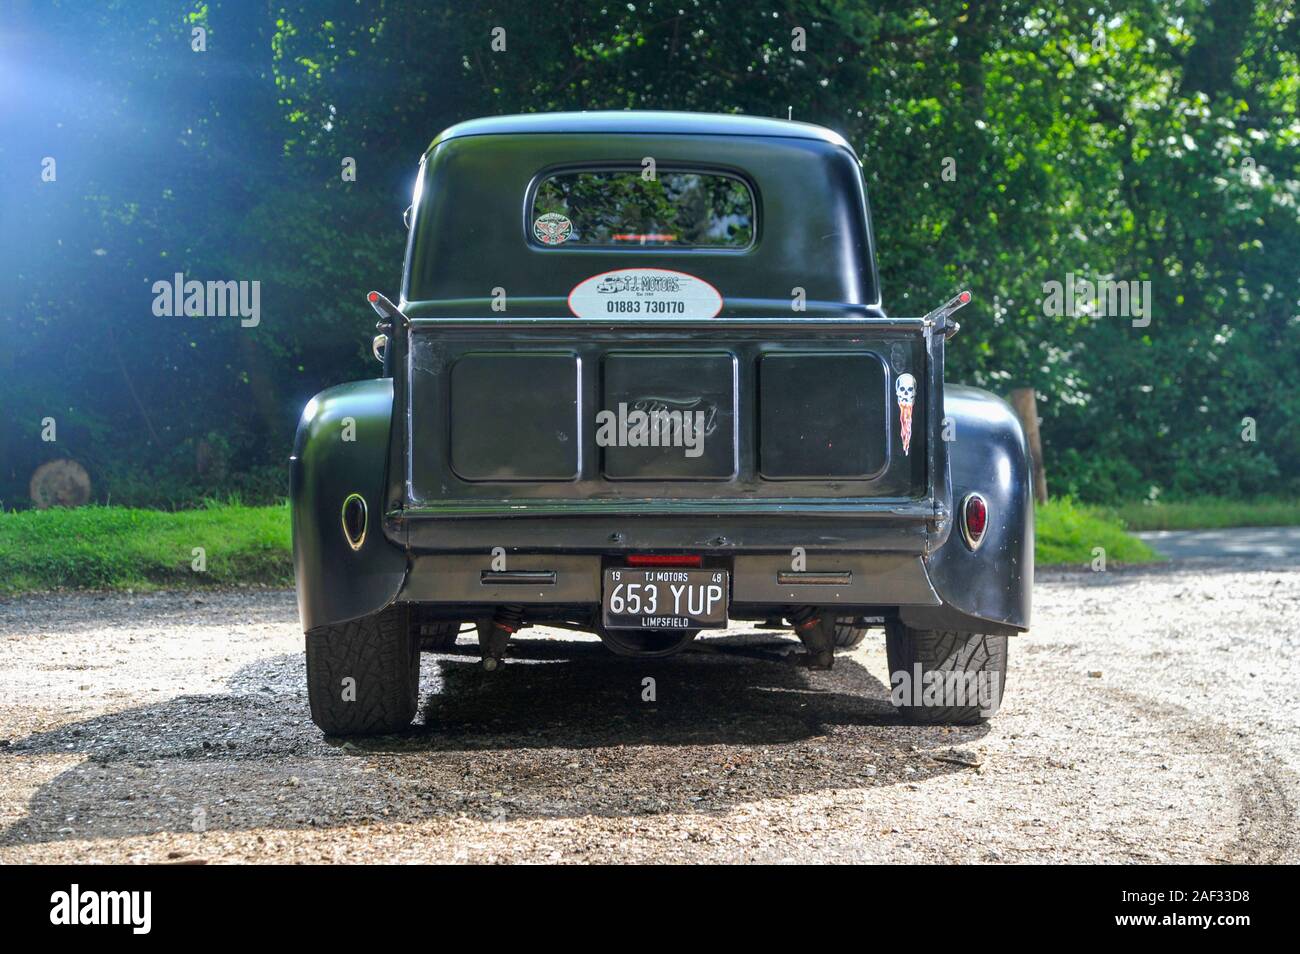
(494, 634)
(815, 627)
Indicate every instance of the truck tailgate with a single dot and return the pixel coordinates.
(526, 419)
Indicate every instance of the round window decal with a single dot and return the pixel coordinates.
(552, 228)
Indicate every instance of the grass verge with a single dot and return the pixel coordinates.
(1067, 533)
(119, 548)
(1208, 513)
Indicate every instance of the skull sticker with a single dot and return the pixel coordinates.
(905, 391)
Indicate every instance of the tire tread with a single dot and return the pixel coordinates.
(946, 651)
(381, 653)
(849, 635)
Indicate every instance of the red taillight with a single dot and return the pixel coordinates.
(974, 519)
(663, 559)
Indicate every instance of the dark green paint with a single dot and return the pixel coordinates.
(483, 437)
(336, 583)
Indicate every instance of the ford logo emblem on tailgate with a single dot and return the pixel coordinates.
(652, 404)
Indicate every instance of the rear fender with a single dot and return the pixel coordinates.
(986, 590)
(342, 448)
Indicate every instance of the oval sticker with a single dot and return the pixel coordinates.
(644, 293)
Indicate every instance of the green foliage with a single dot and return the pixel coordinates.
(1068, 533)
(1004, 144)
(117, 548)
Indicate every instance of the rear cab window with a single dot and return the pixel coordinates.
(625, 208)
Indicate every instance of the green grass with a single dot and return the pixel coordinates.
(1067, 532)
(118, 548)
(1208, 513)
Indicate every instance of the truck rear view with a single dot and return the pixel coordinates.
(639, 383)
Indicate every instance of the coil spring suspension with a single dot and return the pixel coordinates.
(805, 618)
(510, 617)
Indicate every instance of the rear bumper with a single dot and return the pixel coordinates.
(854, 581)
(858, 555)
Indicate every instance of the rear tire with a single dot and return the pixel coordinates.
(363, 677)
(848, 634)
(434, 635)
(970, 663)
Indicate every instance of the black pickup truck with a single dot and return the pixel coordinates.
(639, 382)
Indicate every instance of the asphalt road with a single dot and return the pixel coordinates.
(1150, 716)
(1277, 544)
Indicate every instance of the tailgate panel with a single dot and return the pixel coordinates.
(508, 417)
(515, 416)
(689, 401)
(823, 414)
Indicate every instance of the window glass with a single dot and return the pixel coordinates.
(622, 209)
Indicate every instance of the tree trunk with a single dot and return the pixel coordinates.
(59, 483)
(1022, 399)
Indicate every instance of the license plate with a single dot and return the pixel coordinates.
(664, 598)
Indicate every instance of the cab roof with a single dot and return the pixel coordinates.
(473, 229)
(649, 122)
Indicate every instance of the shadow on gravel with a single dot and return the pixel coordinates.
(562, 730)
(733, 690)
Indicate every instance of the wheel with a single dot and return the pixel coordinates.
(973, 668)
(363, 677)
(848, 634)
(434, 635)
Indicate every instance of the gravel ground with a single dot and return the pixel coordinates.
(1151, 716)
